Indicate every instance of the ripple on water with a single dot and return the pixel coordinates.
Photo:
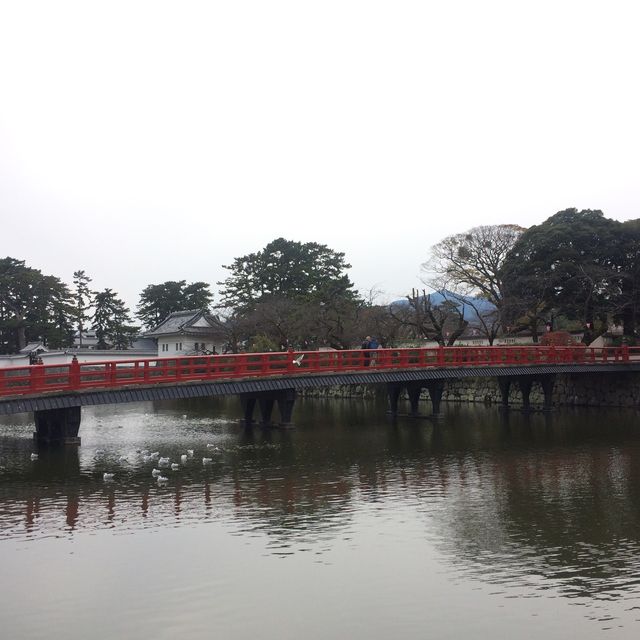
(509, 515)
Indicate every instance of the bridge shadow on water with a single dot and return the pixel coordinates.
(530, 501)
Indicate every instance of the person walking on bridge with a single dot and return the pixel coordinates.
(366, 345)
(373, 344)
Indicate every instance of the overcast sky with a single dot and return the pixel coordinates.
(153, 141)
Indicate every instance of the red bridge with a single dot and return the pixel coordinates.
(55, 393)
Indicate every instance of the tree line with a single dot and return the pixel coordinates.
(576, 270)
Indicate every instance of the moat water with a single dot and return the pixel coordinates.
(480, 525)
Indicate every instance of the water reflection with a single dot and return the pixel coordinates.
(527, 503)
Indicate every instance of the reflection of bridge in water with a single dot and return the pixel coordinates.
(558, 509)
(56, 393)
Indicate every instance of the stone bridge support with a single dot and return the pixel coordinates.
(414, 391)
(525, 383)
(266, 400)
(57, 426)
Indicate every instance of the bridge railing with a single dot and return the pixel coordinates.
(39, 379)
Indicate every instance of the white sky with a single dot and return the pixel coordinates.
(153, 141)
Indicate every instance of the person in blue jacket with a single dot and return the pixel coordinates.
(373, 344)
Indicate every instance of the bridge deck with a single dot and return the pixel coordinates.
(41, 387)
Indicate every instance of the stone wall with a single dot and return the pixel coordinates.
(346, 391)
(594, 390)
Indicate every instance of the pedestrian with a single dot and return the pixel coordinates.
(366, 345)
(373, 344)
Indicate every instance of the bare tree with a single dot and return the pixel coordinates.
(230, 328)
(471, 264)
(443, 323)
(280, 319)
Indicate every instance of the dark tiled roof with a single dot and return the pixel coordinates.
(33, 346)
(180, 322)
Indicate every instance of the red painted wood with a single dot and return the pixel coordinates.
(38, 379)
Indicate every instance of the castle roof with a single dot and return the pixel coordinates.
(192, 322)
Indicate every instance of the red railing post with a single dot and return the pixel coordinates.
(291, 365)
(265, 363)
(625, 353)
(36, 375)
(440, 356)
(240, 363)
(74, 373)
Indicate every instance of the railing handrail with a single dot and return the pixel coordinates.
(39, 378)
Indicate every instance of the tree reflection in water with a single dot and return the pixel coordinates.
(532, 502)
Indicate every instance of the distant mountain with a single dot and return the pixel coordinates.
(473, 308)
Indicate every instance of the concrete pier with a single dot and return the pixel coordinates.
(57, 426)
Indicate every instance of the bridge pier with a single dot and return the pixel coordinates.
(436, 388)
(394, 389)
(286, 400)
(266, 400)
(525, 383)
(414, 391)
(547, 383)
(505, 387)
(265, 405)
(248, 404)
(57, 426)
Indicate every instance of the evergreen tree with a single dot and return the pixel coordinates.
(33, 307)
(112, 322)
(52, 314)
(569, 265)
(157, 301)
(290, 270)
(83, 299)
